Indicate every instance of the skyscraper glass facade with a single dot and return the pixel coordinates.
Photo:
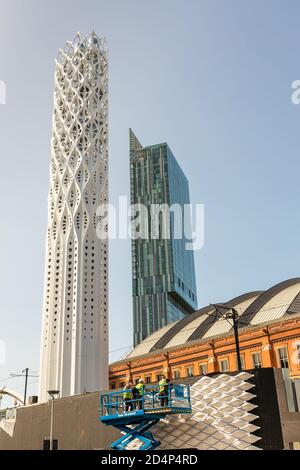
(163, 271)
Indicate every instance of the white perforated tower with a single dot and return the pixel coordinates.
(74, 345)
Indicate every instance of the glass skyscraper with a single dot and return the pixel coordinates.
(163, 270)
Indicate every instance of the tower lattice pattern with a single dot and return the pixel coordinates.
(74, 345)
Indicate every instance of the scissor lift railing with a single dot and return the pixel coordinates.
(142, 413)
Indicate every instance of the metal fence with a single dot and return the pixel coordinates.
(152, 398)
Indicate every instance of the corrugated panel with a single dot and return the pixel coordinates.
(145, 346)
(277, 306)
(201, 331)
(222, 326)
(295, 305)
(266, 296)
(185, 333)
(219, 327)
(166, 338)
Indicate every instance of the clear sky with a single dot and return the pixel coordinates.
(213, 79)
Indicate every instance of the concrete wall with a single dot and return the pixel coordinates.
(76, 425)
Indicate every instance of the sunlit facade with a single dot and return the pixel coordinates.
(202, 343)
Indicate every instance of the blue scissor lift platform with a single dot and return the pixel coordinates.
(134, 417)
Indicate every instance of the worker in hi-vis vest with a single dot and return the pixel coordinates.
(127, 396)
(164, 390)
(140, 392)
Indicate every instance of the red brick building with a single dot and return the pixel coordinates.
(202, 342)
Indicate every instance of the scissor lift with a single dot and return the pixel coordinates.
(135, 417)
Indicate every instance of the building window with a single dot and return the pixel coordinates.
(176, 374)
(283, 357)
(224, 365)
(298, 353)
(158, 377)
(203, 368)
(113, 385)
(189, 371)
(148, 379)
(256, 360)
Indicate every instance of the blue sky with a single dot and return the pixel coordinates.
(213, 79)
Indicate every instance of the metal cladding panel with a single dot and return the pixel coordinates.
(277, 306)
(166, 338)
(219, 327)
(201, 331)
(258, 304)
(295, 305)
(145, 346)
(223, 326)
(222, 417)
(182, 336)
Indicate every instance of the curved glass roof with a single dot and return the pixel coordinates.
(253, 308)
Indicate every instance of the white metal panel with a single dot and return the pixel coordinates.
(182, 336)
(219, 327)
(277, 306)
(145, 346)
(213, 423)
(223, 326)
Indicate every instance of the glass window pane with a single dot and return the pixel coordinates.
(256, 360)
(283, 357)
(203, 368)
(224, 365)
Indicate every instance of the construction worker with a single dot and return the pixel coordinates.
(164, 390)
(127, 396)
(140, 392)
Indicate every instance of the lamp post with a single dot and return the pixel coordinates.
(232, 314)
(53, 394)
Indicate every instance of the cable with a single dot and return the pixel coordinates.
(120, 349)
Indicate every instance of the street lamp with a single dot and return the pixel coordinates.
(232, 314)
(53, 394)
